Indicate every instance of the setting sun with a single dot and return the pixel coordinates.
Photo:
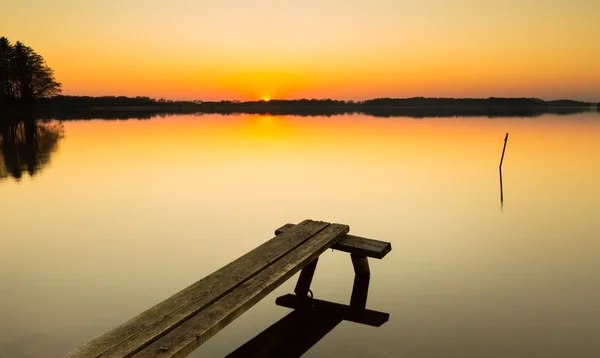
(545, 49)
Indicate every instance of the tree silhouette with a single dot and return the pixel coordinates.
(6, 56)
(26, 145)
(24, 75)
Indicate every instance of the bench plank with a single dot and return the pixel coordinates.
(135, 334)
(196, 330)
(357, 245)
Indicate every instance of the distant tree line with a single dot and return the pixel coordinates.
(414, 102)
(417, 102)
(106, 101)
(120, 107)
(471, 102)
(391, 107)
(24, 75)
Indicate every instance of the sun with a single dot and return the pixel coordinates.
(267, 99)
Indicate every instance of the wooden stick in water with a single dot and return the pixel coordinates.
(500, 168)
(503, 150)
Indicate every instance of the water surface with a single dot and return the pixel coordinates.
(119, 215)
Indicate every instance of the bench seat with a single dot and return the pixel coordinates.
(184, 321)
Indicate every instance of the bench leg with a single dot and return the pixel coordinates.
(305, 279)
(360, 290)
(361, 265)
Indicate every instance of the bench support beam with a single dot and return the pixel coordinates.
(360, 291)
(361, 265)
(305, 279)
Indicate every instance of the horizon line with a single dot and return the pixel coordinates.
(324, 98)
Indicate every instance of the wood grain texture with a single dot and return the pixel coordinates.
(357, 245)
(195, 331)
(139, 332)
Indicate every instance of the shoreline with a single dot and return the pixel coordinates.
(71, 107)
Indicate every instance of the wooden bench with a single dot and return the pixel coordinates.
(184, 321)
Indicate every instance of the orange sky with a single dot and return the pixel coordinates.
(234, 49)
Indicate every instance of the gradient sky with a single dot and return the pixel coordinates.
(343, 49)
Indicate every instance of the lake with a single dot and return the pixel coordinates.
(119, 215)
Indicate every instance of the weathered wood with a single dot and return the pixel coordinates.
(199, 328)
(364, 247)
(361, 265)
(305, 279)
(139, 332)
(500, 169)
(355, 245)
(366, 317)
(284, 228)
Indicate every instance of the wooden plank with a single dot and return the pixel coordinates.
(195, 331)
(357, 245)
(157, 321)
(362, 246)
(284, 228)
(347, 313)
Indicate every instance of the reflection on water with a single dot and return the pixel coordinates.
(27, 145)
(133, 211)
(71, 112)
(312, 319)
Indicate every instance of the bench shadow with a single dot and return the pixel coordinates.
(310, 321)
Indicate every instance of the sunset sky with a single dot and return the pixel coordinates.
(342, 49)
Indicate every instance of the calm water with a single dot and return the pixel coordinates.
(121, 214)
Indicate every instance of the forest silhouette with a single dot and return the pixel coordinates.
(111, 107)
(24, 75)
